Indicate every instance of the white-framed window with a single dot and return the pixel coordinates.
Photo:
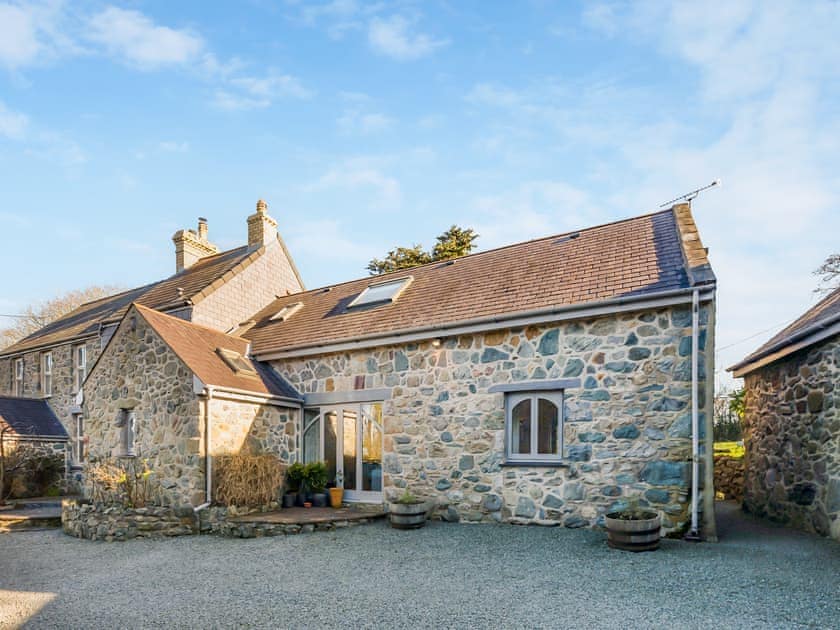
(534, 426)
(46, 373)
(128, 427)
(19, 377)
(79, 430)
(381, 292)
(79, 365)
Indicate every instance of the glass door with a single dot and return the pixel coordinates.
(349, 439)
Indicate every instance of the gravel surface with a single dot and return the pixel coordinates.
(444, 575)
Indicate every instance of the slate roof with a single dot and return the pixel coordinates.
(196, 282)
(628, 259)
(197, 347)
(824, 313)
(30, 417)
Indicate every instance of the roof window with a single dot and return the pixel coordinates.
(286, 312)
(236, 362)
(381, 292)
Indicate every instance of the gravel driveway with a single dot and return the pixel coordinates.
(442, 576)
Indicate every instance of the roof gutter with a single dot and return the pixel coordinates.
(481, 324)
(243, 395)
(808, 336)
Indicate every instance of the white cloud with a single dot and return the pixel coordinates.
(19, 43)
(171, 146)
(12, 124)
(135, 38)
(392, 37)
(361, 174)
(364, 123)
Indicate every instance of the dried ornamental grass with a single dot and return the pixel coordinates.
(247, 480)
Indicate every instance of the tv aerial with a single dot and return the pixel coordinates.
(691, 195)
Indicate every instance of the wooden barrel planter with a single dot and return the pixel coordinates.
(640, 532)
(407, 515)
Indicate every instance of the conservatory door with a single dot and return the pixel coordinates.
(349, 439)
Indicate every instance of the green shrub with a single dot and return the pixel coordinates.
(316, 476)
(295, 475)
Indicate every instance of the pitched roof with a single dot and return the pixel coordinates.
(199, 348)
(820, 317)
(190, 285)
(627, 259)
(30, 417)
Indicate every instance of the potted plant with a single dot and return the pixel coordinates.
(407, 512)
(294, 479)
(633, 528)
(337, 491)
(316, 482)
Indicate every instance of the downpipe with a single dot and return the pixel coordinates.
(694, 533)
(208, 460)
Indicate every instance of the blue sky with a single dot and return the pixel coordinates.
(368, 125)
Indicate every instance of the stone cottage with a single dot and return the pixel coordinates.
(211, 288)
(545, 382)
(792, 422)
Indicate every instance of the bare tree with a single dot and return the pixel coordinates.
(36, 316)
(829, 274)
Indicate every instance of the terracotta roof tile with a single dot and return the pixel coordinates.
(197, 347)
(194, 281)
(634, 257)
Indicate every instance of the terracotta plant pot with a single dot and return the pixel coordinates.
(407, 515)
(307, 504)
(641, 532)
(336, 497)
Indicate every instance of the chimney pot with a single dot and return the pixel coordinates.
(202, 228)
(262, 229)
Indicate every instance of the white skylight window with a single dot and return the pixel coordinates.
(381, 292)
(286, 312)
(236, 362)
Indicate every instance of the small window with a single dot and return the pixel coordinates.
(127, 424)
(236, 362)
(18, 377)
(286, 312)
(46, 374)
(80, 367)
(534, 423)
(381, 292)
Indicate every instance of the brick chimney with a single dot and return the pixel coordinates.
(191, 246)
(262, 229)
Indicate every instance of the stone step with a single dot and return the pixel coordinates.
(25, 523)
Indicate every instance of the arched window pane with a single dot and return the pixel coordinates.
(520, 425)
(312, 440)
(548, 417)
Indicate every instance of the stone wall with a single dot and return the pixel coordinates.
(627, 427)
(63, 397)
(729, 478)
(116, 523)
(792, 440)
(138, 370)
(254, 427)
(249, 291)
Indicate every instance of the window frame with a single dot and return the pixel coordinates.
(79, 366)
(401, 284)
(127, 424)
(79, 431)
(19, 376)
(46, 374)
(512, 399)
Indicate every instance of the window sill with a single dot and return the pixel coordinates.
(517, 463)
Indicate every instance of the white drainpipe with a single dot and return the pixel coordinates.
(208, 460)
(695, 416)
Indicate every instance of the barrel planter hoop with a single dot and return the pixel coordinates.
(407, 515)
(634, 534)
